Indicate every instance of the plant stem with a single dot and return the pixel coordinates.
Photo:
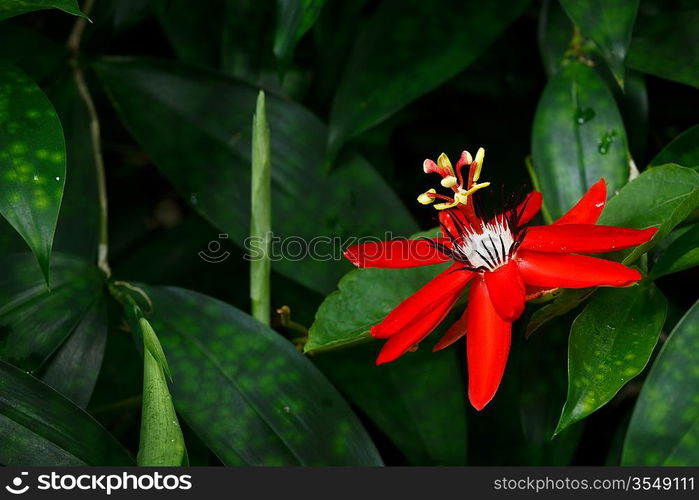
(73, 45)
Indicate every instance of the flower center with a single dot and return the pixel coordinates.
(488, 249)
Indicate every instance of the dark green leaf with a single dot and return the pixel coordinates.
(363, 298)
(407, 49)
(247, 393)
(40, 427)
(609, 24)
(294, 19)
(11, 8)
(578, 137)
(32, 160)
(683, 150)
(554, 33)
(664, 428)
(610, 343)
(34, 321)
(682, 254)
(666, 44)
(205, 153)
(565, 301)
(74, 368)
(40, 56)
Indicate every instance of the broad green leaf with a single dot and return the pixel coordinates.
(32, 162)
(682, 254)
(11, 8)
(565, 301)
(40, 427)
(666, 44)
(578, 136)
(683, 150)
(294, 19)
(363, 298)
(408, 48)
(661, 197)
(161, 442)
(205, 153)
(247, 393)
(34, 321)
(610, 343)
(609, 24)
(74, 367)
(399, 398)
(664, 428)
(554, 34)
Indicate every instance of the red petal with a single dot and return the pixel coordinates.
(529, 207)
(397, 253)
(446, 220)
(440, 289)
(572, 271)
(506, 291)
(415, 332)
(588, 209)
(454, 333)
(487, 346)
(583, 238)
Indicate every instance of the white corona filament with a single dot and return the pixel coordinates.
(489, 249)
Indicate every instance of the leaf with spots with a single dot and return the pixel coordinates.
(247, 392)
(38, 426)
(578, 136)
(664, 427)
(11, 8)
(32, 162)
(610, 343)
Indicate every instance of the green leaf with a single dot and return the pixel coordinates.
(34, 321)
(294, 19)
(664, 427)
(205, 153)
(554, 34)
(40, 56)
(408, 48)
(398, 398)
(666, 44)
(247, 393)
(32, 160)
(11, 8)
(683, 150)
(363, 298)
(682, 254)
(74, 367)
(40, 427)
(161, 443)
(565, 301)
(660, 197)
(610, 343)
(609, 24)
(578, 136)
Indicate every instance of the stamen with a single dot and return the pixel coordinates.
(479, 164)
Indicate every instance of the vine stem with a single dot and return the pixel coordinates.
(73, 46)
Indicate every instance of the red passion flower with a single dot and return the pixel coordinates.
(505, 261)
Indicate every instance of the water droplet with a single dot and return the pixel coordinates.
(58, 178)
(583, 116)
(606, 141)
(611, 327)
(193, 198)
(36, 177)
(599, 205)
(286, 409)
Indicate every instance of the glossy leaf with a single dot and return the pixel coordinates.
(664, 427)
(610, 343)
(408, 48)
(609, 24)
(74, 367)
(666, 44)
(32, 160)
(398, 397)
(683, 150)
(294, 19)
(34, 321)
(578, 136)
(681, 254)
(554, 34)
(40, 427)
(363, 298)
(205, 153)
(11, 8)
(246, 391)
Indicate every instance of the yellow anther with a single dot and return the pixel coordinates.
(479, 163)
(449, 181)
(443, 162)
(444, 206)
(425, 198)
(476, 187)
